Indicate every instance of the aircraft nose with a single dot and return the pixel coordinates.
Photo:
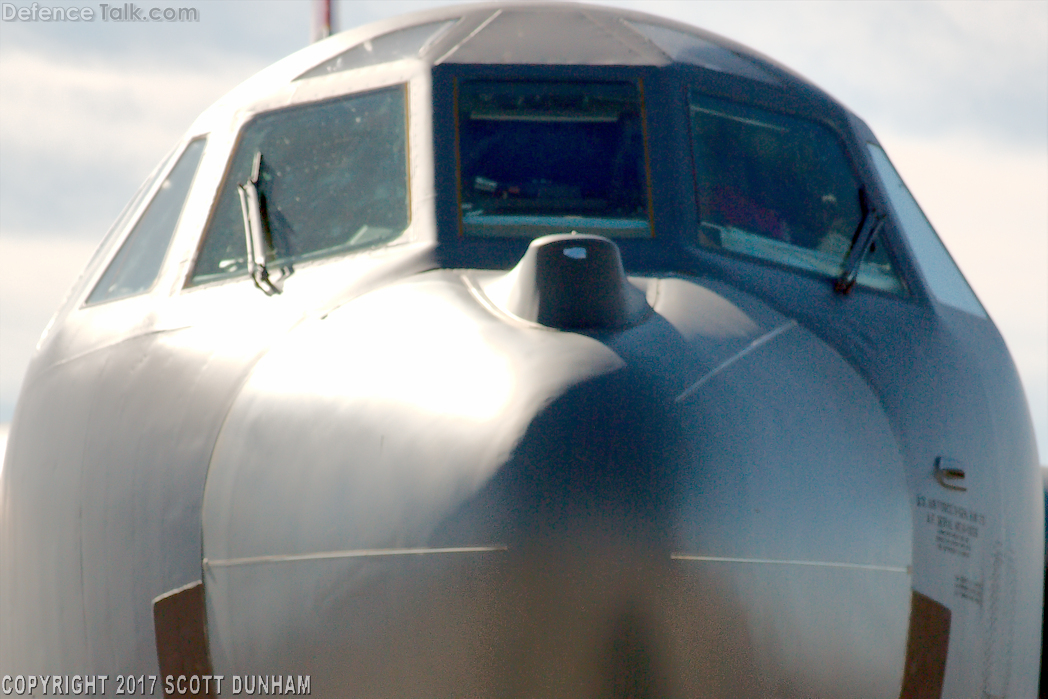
(593, 615)
(608, 451)
(585, 600)
(400, 551)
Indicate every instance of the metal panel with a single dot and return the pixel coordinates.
(553, 36)
(378, 502)
(926, 649)
(181, 641)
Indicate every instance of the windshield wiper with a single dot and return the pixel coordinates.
(255, 226)
(871, 228)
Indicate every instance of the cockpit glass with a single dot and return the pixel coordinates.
(686, 47)
(537, 158)
(331, 177)
(136, 266)
(402, 43)
(778, 188)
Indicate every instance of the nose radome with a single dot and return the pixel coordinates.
(570, 281)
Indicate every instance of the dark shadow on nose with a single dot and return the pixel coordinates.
(609, 449)
(632, 667)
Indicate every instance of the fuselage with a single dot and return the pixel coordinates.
(527, 351)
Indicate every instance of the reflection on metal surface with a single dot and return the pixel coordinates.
(587, 291)
(474, 383)
(770, 561)
(361, 553)
(762, 340)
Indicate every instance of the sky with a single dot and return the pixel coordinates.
(956, 91)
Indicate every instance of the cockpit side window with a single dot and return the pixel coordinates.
(331, 177)
(538, 157)
(945, 279)
(136, 266)
(780, 189)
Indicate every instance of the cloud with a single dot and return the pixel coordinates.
(263, 30)
(79, 135)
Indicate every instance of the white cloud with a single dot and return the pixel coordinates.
(98, 112)
(78, 136)
(1012, 28)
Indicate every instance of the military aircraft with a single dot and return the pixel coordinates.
(523, 350)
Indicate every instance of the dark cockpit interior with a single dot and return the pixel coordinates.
(552, 157)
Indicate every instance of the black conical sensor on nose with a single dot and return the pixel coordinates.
(570, 281)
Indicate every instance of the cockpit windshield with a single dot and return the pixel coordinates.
(779, 188)
(331, 178)
(552, 157)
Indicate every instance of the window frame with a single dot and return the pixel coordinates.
(636, 80)
(690, 86)
(932, 261)
(312, 92)
(122, 226)
(131, 223)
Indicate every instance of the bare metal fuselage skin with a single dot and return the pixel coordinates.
(392, 480)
